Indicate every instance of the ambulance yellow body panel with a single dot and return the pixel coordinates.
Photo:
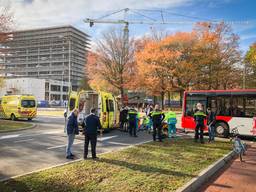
(105, 104)
(18, 107)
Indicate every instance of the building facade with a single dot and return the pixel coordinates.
(48, 53)
(42, 89)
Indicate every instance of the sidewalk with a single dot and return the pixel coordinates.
(237, 177)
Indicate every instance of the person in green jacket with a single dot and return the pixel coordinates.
(171, 121)
(199, 118)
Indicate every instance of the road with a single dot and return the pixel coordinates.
(44, 146)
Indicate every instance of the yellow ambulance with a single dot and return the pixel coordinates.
(18, 107)
(105, 104)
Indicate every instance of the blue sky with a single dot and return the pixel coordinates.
(44, 13)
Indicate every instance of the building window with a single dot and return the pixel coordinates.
(55, 88)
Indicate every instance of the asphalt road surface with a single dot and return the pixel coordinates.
(44, 146)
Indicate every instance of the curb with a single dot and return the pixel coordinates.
(22, 129)
(194, 184)
(74, 161)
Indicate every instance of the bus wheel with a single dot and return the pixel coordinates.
(13, 118)
(222, 129)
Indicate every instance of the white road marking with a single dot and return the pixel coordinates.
(59, 146)
(99, 139)
(9, 136)
(24, 140)
(107, 138)
(30, 135)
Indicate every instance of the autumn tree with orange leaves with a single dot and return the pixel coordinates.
(205, 58)
(111, 66)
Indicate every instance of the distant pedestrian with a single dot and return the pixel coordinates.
(91, 126)
(199, 118)
(123, 119)
(72, 130)
(157, 118)
(148, 109)
(211, 120)
(239, 147)
(133, 120)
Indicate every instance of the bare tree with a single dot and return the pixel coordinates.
(114, 61)
(6, 21)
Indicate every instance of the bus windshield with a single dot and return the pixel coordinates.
(28, 103)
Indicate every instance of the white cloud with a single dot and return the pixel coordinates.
(38, 13)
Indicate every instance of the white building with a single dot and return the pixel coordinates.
(42, 89)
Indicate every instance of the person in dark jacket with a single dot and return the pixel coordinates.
(91, 126)
(133, 116)
(72, 130)
(123, 118)
(157, 118)
(199, 117)
(211, 120)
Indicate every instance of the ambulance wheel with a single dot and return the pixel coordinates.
(13, 118)
(222, 130)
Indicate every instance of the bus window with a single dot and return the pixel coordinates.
(237, 109)
(72, 104)
(250, 107)
(191, 102)
(224, 106)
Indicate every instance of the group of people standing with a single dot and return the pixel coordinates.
(153, 117)
(200, 117)
(91, 124)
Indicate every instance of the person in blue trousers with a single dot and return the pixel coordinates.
(72, 130)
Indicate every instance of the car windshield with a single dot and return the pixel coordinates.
(28, 103)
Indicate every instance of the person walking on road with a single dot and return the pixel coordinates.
(157, 117)
(72, 130)
(199, 118)
(133, 120)
(91, 126)
(211, 120)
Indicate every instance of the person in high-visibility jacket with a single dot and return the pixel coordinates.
(199, 118)
(133, 120)
(157, 117)
(171, 121)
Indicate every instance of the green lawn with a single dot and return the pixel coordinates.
(6, 125)
(149, 167)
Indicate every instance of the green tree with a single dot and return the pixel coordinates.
(250, 67)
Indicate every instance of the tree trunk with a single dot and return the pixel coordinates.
(162, 99)
(181, 97)
(169, 99)
(122, 95)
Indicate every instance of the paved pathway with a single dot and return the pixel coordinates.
(238, 176)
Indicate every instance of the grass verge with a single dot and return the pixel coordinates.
(150, 167)
(6, 125)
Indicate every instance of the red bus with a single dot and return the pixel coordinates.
(235, 110)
